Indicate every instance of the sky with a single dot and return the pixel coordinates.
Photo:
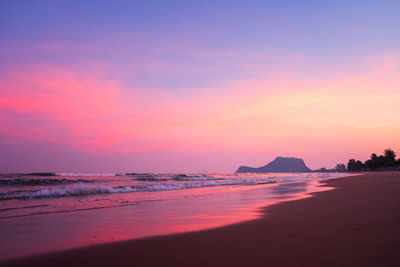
(196, 86)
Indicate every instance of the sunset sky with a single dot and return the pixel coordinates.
(176, 86)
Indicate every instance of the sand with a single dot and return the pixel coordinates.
(356, 224)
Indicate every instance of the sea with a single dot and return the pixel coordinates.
(44, 212)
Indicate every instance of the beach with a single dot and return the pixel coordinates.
(199, 133)
(40, 214)
(356, 224)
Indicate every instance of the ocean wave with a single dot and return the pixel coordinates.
(76, 190)
(83, 189)
(195, 177)
(180, 186)
(151, 179)
(14, 182)
(19, 175)
(148, 177)
(42, 174)
(86, 174)
(177, 177)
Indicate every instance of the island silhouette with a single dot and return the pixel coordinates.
(280, 164)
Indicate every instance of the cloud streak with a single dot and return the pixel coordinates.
(283, 112)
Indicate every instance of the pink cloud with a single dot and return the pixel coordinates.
(287, 112)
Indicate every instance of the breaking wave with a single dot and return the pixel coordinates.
(87, 174)
(148, 177)
(194, 177)
(76, 190)
(83, 189)
(14, 182)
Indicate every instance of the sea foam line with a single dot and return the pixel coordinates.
(83, 189)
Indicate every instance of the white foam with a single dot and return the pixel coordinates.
(83, 189)
(76, 190)
(198, 181)
(165, 187)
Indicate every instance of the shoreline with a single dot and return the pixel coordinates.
(187, 211)
(356, 223)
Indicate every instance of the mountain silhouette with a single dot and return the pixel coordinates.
(280, 164)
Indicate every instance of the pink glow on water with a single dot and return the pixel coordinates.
(175, 212)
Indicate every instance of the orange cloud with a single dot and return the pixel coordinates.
(282, 113)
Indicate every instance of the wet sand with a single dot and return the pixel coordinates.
(356, 224)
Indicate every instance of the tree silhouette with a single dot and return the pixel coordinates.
(355, 166)
(375, 162)
(340, 168)
(390, 154)
(382, 162)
